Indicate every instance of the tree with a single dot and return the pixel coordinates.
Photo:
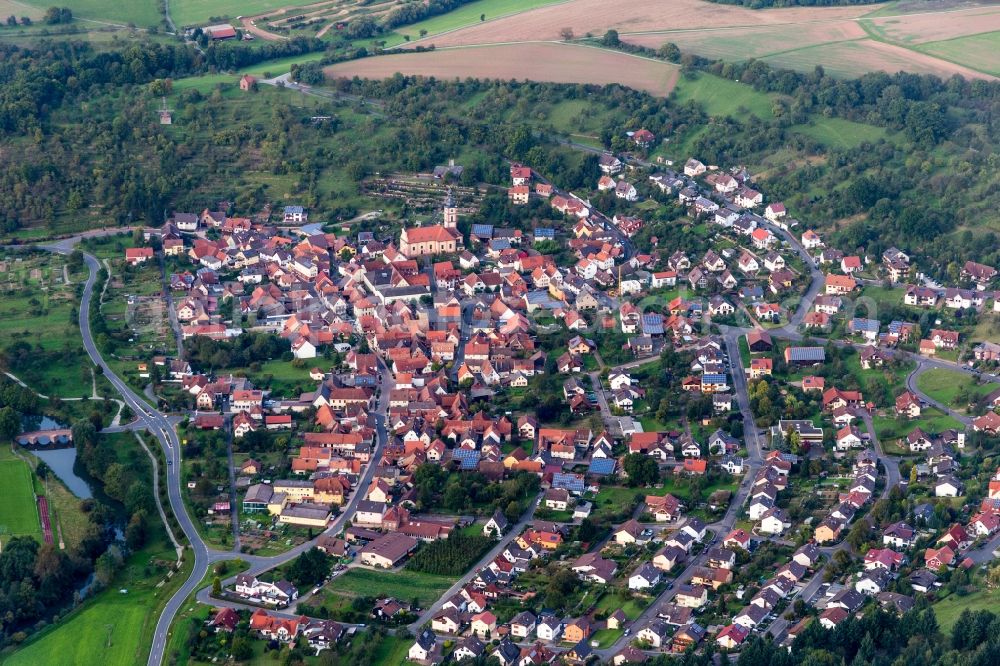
(482, 17)
(242, 649)
(642, 470)
(10, 423)
(216, 586)
(566, 34)
(610, 38)
(309, 568)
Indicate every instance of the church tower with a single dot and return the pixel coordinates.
(450, 211)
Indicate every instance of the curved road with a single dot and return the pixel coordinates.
(161, 426)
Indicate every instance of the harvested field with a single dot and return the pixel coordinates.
(17, 8)
(741, 43)
(855, 58)
(935, 26)
(845, 40)
(553, 62)
(597, 16)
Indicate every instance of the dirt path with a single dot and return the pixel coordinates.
(249, 26)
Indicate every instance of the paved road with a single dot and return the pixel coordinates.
(513, 532)
(911, 383)
(157, 424)
(162, 427)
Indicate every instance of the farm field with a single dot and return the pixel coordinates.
(468, 15)
(142, 13)
(18, 513)
(846, 41)
(742, 42)
(596, 16)
(557, 63)
(853, 58)
(19, 9)
(979, 52)
(199, 12)
(403, 584)
(922, 27)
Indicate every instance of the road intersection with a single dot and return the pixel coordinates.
(162, 427)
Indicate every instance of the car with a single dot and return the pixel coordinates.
(170, 462)
(627, 632)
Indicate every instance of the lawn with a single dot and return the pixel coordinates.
(609, 603)
(950, 608)
(18, 512)
(391, 651)
(943, 385)
(721, 97)
(931, 421)
(403, 585)
(840, 133)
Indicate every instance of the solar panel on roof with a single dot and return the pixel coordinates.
(602, 466)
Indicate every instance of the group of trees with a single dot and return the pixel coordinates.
(309, 568)
(234, 55)
(452, 556)
(39, 581)
(57, 15)
(412, 12)
(885, 638)
(471, 492)
(238, 352)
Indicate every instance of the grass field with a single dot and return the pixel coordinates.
(976, 51)
(200, 12)
(943, 385)
(19, 9)
(142, 13)
(931, 421)
(722, 97)
(469, 15)
(33, 298)
(950, 608)
(404, 585)
(853, 58)
(107, 631)
(840, 133)
(18, 512)
(753, 41)
(113, 628)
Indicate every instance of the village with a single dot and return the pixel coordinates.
(687, 443)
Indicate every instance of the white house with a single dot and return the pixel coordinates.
(644, 577)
